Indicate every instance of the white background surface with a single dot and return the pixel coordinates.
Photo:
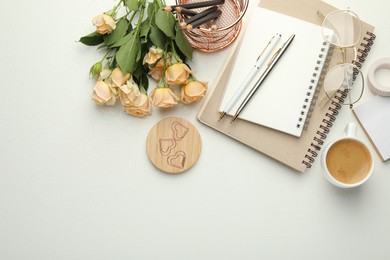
(76, 183)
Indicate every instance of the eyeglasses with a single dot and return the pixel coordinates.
(344, 83)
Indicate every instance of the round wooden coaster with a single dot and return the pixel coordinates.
(173, 145)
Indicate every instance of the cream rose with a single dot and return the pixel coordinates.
(129, 93)
(153, 55)
(164, 97)
(157, 71)
(104, 74)
(104, 24)
(102, 94)
(134, 101)
(193, 91)
(140, 108)
(177, 74)
(118, 78)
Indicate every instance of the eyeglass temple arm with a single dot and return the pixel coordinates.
(343, 50)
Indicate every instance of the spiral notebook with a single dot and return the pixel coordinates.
(288, 90)
(297, 153)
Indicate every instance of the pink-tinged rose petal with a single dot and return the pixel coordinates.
(103, 90)
(104, 23)
(118, 78)
(177, 74)
(193, 91)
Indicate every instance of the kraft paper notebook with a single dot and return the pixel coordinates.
(288, 96)
(296, 152)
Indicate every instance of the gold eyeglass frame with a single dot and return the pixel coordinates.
(343, 49)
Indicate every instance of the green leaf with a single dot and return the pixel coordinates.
(132, 5)
(157, 37)
(123, 40)
(145, 27)
(129, 54)
(182, 43)
(150, 9)
(153, 8)
(139, 52)
(140, 70)
(92, 39)
(166, 22)
(102, 46)
(130, 28)
(118, 33)
(145, 81)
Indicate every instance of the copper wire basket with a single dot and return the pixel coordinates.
(228, 26)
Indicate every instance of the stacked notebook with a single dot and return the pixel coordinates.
(290, 144)
(289, 90)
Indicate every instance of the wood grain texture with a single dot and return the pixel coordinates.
(173, 145)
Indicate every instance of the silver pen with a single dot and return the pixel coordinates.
(270, 66)
(245, 83)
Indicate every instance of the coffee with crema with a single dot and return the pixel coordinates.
(348, 161)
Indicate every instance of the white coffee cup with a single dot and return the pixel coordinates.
(347, 161)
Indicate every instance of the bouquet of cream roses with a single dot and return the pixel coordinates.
(140, 39)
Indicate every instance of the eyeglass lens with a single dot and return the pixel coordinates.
(342, 28)
(344, 83)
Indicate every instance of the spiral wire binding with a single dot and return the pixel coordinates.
(334, 107)
(317, 80)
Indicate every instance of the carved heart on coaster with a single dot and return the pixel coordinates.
(177, 160)
(167, 145)
(173, 145)
(179, 130)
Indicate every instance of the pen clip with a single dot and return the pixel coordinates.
(274, 56)
(265, 48)
(282, 49)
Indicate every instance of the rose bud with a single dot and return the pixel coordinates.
(177, 74)
(104, 24)
(164, 97)
(193, 91)
(102, 94)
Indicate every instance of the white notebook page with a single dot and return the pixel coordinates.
(374, 116)
(279, 101)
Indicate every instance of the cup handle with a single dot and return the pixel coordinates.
(350, 130)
